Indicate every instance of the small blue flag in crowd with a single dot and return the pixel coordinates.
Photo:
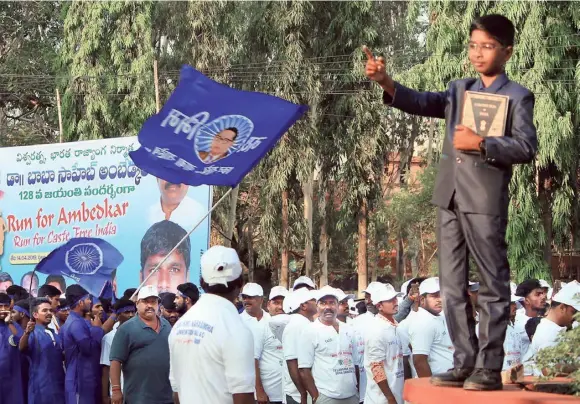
(209, 133)
(108, 293)
(88, 261)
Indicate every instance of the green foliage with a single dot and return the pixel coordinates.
(566, 352)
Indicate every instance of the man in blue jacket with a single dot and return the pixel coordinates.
(472, 194)
(82, 348)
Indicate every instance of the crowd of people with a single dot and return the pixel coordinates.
(233, 344)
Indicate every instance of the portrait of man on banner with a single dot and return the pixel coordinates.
(174, 204)
(222, 137)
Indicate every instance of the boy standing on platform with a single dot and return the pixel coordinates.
(472, 194)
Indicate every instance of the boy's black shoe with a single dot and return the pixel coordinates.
(453, 378)
(484, 380)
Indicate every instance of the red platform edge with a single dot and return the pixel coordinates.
(421, 391)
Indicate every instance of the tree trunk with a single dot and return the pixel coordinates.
(285, 253)
(250, 250)
(400, 258)
(544, 199)
(232, 217)
(430, 142)
(308, 189)
(375, 259)
(362, 261)
(323, 250)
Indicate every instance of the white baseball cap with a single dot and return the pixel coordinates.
(252, 290)
(352, 306)
(429, 285)
(371, 287)
(473, 286)
(544, 284)
(278, 291)
(513, 287)
(147, 291)
(569, 294)
(328, 291)
(342, 296)
(516, 299)
(304, 280)
(220, 265)
(296, 298)
(384, 293)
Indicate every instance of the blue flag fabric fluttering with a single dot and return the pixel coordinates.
(209, 133)
(108, 293)
(88, 261)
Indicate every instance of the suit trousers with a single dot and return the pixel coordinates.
(460, 235)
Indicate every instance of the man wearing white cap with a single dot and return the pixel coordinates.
(302, 306)
(565, 305)
(361, 324)
(268, 354)
(211, 350)
(383, 351)
(403, 328)
(428, 334)
(140, 349)
(327, 356)
(343, 312)
(253, 298)
(303, 282)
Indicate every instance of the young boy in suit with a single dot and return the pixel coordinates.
(472, 195)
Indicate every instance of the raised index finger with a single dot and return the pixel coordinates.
(368, 52)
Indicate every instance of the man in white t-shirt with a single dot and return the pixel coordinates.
(175, 205)
(403, 329)
(327, 355)
(535, 302)
(428, 335)
(302, 306)
(268, 354)
(125, 310)
(211, 349)
(361, 323)
(253, 298)
(565, 305)
(383, 351)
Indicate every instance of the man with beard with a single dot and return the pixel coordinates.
(302, 305)
(268, 355)
(10, 377)
(428, 335)
(535, 302)
(327, 355)
(141, 350)
(384, 353)
(187, 295)
(44, 348)
(157, 242)
(343, 313)
(169, 310)
(124, 310)
(175, 205)
(82, 348)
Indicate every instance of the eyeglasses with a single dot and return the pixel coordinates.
(484, 47)
(222, 139)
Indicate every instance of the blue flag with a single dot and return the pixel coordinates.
(88, 261)
(209, 133)
(108, 293)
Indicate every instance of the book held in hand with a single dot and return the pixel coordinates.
(484, 113)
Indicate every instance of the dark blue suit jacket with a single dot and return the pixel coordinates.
(480, 183)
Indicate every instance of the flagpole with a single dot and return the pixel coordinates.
(181, 241)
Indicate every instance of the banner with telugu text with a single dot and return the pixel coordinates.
(52, 193)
